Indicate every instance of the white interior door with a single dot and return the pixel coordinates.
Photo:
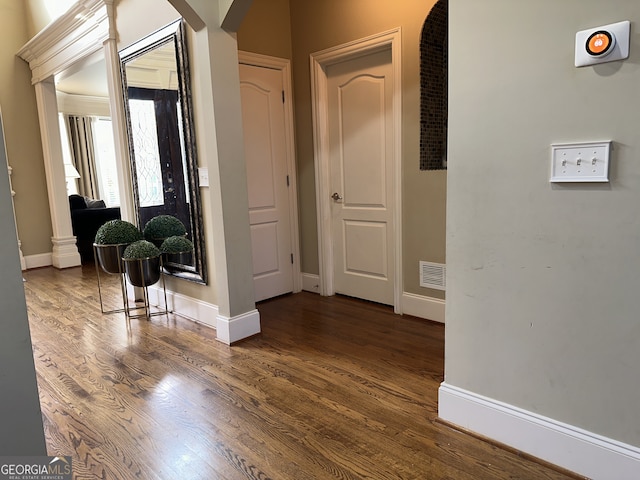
(267, 180)
(360, 98)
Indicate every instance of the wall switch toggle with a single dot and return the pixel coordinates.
(568, 162)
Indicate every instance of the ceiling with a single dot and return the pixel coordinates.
(154, 69)
(88, 77)
(91, 80)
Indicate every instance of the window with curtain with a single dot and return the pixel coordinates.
(82, 150)
(70, 172)
(105, 158)
(92, 154)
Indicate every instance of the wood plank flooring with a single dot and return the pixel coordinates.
(333, 388)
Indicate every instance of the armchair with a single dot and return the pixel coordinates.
(87, 215)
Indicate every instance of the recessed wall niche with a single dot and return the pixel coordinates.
(433, 88)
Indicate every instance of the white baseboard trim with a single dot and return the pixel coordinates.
(420, 306)
(230, 330)
(38, 261)
(311, 282)
(570, 447)
(190, 308)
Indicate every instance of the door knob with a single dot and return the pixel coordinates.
(336, 196)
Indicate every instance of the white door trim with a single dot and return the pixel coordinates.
(319, 103)
(284, 65)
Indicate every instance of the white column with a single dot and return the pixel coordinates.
(64, 253)
(221, 149)
(119, 125)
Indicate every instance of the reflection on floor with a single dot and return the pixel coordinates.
(332, 388)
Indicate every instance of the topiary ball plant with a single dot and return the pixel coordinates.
(176, 244)
(140, 250)
(142, 263)
(163, 226)
(110, 241)
(176, 253)
(117, 232)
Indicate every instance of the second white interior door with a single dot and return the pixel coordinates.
(267, 181)
(360, 97)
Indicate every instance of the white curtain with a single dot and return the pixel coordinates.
(83, 154)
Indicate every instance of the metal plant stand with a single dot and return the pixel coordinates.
(144, 311)
(123, 288)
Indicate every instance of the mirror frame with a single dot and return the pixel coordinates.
(173, 33)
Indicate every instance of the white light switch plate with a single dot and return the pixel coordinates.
(203, 176)
(580, 162)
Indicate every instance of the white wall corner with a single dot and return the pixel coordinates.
(420, 306)
(187, 307)
(232, 12)
(236, 328)
(567, 446)
(311, 282)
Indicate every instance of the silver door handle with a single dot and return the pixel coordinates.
(336, 196)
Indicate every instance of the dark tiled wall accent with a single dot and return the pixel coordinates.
(433, 88)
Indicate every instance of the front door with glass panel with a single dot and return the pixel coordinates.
(159, 162)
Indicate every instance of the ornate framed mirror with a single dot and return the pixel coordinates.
(157, 97)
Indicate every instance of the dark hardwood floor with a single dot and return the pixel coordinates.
(333, 388)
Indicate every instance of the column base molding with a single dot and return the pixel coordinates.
(65, 252)
(230, 330)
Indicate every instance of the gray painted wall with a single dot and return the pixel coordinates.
(543, 282)
(21, 431)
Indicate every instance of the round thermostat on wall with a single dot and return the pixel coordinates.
(606, 43)
(600, 43)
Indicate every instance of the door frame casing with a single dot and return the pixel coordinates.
(389, 40)
(284, 66)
